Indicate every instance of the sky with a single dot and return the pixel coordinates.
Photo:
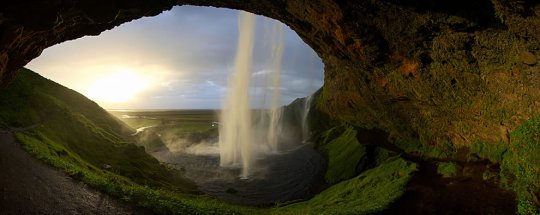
(180, 59)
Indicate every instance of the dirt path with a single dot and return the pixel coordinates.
(28, 186)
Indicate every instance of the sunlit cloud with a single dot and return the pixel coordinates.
(117, 86)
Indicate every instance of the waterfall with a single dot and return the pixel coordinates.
(240, 140)
(235, 140)
(275, 110)
(305, 114)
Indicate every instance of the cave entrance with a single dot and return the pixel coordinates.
(181, 58)
(166, 77)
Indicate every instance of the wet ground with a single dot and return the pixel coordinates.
(28, 186)
(466, 193)
(473, 190)
(277, 177)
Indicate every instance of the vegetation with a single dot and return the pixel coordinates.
(171, 126)
(192, 120)
(447, 169)
(443, 150)
(520, 168)
(370, 192)
(82, 130)
(343, 153)
(494, 152)
(160, 200)
(74, 134)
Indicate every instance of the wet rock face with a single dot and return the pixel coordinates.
(459, 71)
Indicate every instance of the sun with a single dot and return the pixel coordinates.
(117, 87)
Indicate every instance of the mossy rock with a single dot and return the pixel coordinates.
(447, 169)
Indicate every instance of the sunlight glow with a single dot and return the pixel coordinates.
(117, 87)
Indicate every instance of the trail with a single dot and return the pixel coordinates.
(28, 186)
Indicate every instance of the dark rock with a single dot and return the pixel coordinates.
(231, 190)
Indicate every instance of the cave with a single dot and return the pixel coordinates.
(387, 67)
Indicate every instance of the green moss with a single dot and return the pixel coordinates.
(343, 152)
(447, 169)
(488, 175)
(381, 155)
(520, 168)
(443, 150)
(370, 192)
(493, 152)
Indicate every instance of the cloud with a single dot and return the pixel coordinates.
(190, 50)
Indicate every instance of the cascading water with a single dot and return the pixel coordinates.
(305, 114)
(235, 140)
(275, 110)
(239, 140)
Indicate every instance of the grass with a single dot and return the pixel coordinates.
(443, 150)
(173, 126)
(82, 129)
(343, 152)
(494, 152)
(162, 201)
(187, 120)
(370, 192)
(447, 169)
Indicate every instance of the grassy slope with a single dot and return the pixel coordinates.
(85, 132)
(343, 153)
(370, 192)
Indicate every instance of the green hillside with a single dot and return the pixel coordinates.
(76, 129)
